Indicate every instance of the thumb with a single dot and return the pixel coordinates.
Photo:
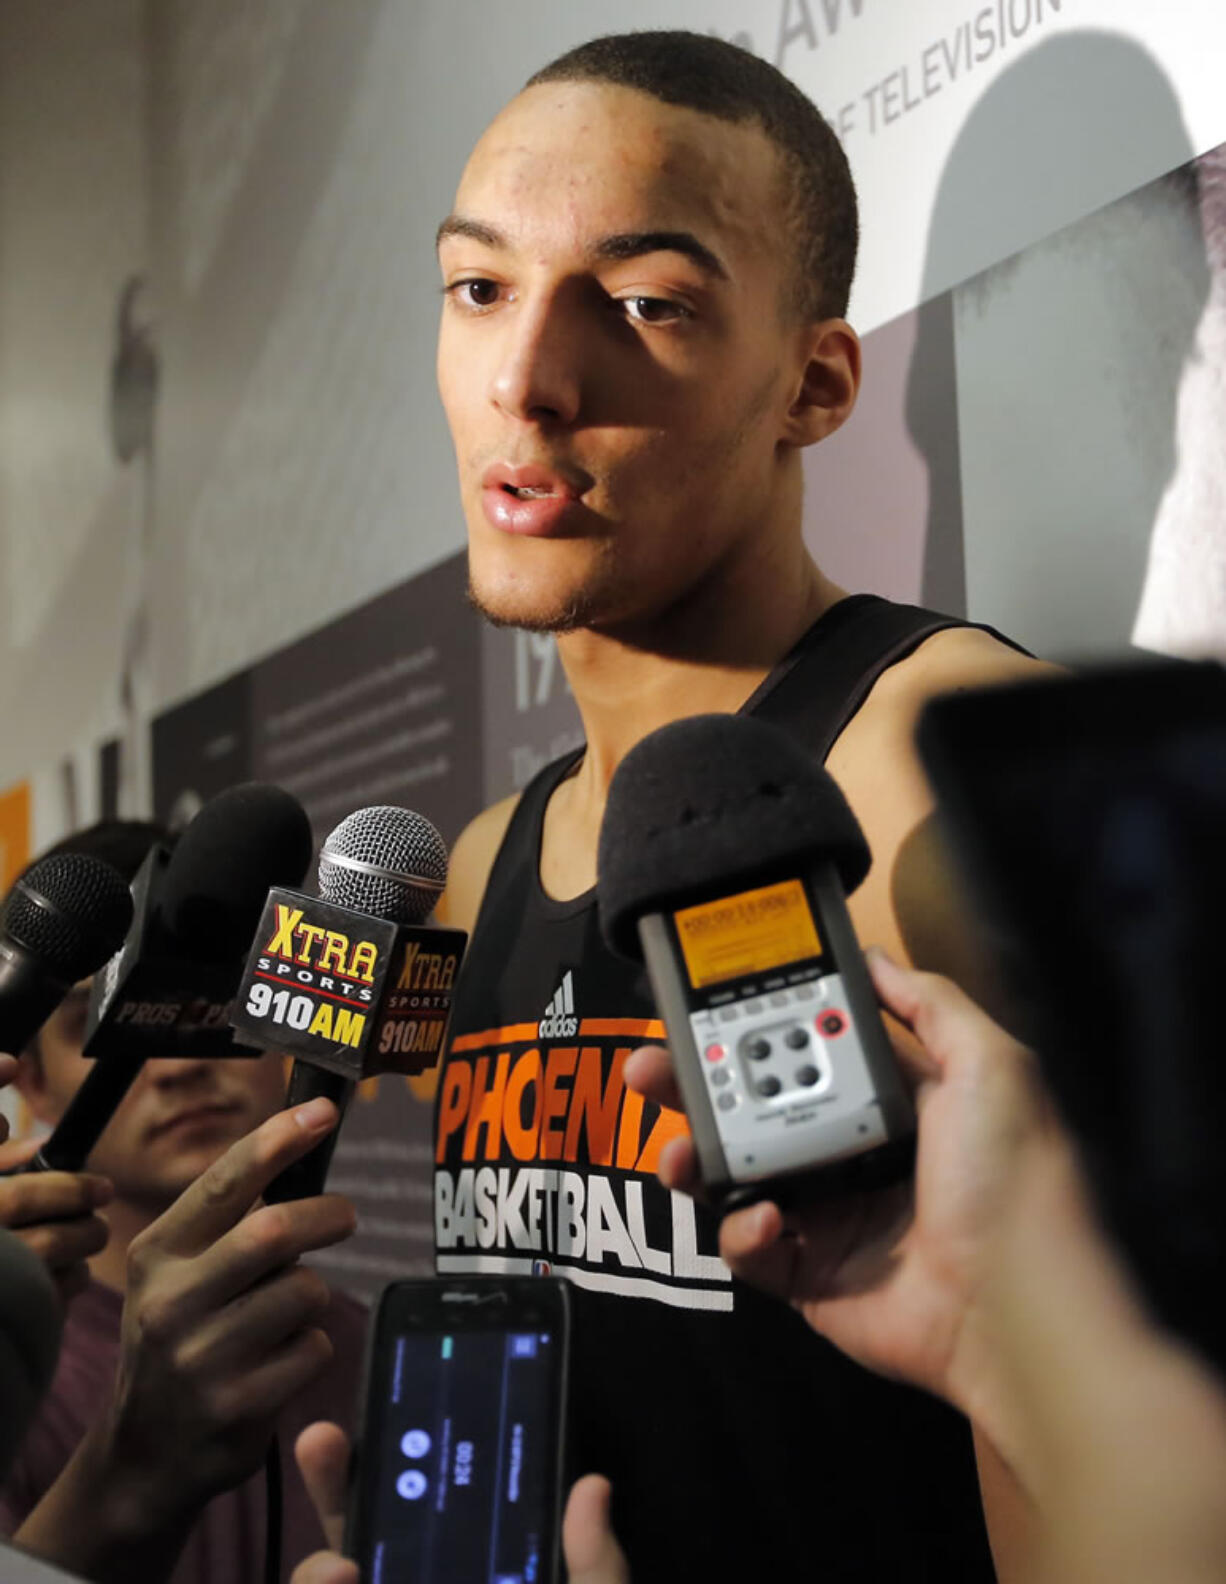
(322, 1454)
(593, 1555)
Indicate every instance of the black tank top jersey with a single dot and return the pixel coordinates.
(740, 1446)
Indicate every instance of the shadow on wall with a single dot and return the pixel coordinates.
(1016, 435)
(1066, 358)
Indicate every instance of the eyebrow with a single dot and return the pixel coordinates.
(622, 245)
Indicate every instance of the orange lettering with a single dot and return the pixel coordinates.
(521, 1140)
(561, 1064)
(485, 1108)
(453, 1102)
(628, 1131)
(669, 1125)
(595, 1112)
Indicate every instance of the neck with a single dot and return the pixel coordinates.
(126, 1219)
(704, 655)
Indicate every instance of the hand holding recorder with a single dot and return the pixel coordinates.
(895, 1277)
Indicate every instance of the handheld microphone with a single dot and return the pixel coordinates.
(59, 923)
(724, 860)
(30, 1322)
(352, 983)
(168, 990)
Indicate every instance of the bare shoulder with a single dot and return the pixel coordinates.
(907, 903)
(880, 738)
(472, 858)
(958, 657)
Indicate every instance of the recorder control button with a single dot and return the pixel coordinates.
(780, 998)
(758, 1049)
(769, 1085)
(719, 1076)
(807, 1076)
(726, 1101)
(752, 1008)
(727, 1014)
(831, 1024)
(715, 1052)
(796, 1038)
(804, 992)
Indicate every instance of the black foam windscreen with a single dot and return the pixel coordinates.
(71, 911)
(715, 802)
(242, 842)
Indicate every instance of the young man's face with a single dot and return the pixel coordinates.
(616, 357)
(176, 1119)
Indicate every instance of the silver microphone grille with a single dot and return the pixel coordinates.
(385, 861)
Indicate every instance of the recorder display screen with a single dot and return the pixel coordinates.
(465, 1459)
(752, 933)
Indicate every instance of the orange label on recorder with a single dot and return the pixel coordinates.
(752, 933)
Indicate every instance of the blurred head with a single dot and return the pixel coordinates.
(181, 1113)
(644, 275)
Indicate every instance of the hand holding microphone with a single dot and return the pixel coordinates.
(353, 983)
(220, 1331)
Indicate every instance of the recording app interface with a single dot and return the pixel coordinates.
(465, 1460)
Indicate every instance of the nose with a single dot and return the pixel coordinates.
(538, 378)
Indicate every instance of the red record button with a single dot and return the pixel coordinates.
(716, 1053)
(831, 1024)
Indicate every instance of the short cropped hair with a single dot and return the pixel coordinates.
(729, 83)
(124, 844)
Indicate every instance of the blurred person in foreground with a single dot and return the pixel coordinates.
(989, 1283)
(194, 1333)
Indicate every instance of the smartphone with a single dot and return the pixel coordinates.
(458, 1473)
(1088, 816)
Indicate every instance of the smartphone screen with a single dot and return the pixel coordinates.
(461, 1456)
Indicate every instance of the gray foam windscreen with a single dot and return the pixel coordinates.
(386, 861)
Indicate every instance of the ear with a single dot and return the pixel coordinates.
(829, 382)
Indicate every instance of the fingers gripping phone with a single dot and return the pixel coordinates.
(457, 1477)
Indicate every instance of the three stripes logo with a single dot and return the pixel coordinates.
(559, 1021)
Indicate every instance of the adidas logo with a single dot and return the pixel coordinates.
(559, 1021)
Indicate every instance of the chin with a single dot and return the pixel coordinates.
(533, 612)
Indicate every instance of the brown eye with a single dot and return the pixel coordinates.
(476, 293)
(653, 310)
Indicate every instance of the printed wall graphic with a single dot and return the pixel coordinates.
(1182, 609)
(883, 499)
(383, 705)
(14, 832)
(380, 706)
(528, 713)
(1093, 475)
